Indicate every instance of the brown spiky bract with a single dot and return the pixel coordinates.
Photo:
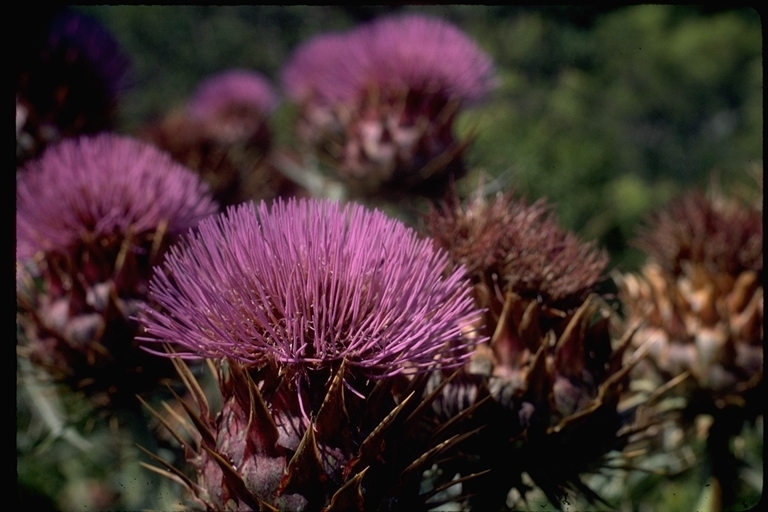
(509, 245)
(352, 453)
(701, 295)
(552, 402)
(546, 389)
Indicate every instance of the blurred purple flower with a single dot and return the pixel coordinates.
(379, 102)
(68, 83)
(417, 52)
(83, 188)
(329, 68)
(237, 88)
(394, 54)
(307, 284)
(78, 36)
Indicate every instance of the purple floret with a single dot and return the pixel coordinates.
(237, 88)
(88, 187)
(308, 283)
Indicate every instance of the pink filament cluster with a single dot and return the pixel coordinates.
(393, 54)
(307, 283)
(232, 89)
(96, 186)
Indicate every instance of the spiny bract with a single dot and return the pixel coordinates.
(547, 386)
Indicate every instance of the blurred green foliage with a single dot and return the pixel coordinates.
(612, 121)
(608, 112)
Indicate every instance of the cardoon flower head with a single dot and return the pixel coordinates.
(522, 245)
(306, 285)
(231, 90)
(700, 297)
(701, 294)
(223, 134)
(392, 54)
(94, 215)
(330, 318)
(721, 235)
(552, 366)
(103, 186)
(315, 304)
(380, 101)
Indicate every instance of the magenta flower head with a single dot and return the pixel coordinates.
(392, 54)
(421, 53)
(93, 187)
(308, 284)
(223, 135)
(94, 215)
(233, 89)
(329, 68)
(380, 101)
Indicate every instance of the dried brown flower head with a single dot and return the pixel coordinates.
(508, 245)
(722, 235)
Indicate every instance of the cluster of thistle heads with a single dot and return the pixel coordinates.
(362, 364)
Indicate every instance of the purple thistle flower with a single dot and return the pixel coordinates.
(237, 88)
(379, 102)
(94, 186)
(307, 284)
(393, 54)
(78, 36)
(421, 53)
(328, 68)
